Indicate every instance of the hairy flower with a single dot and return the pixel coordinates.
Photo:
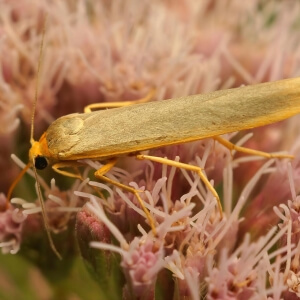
(101, 51)
(11, 227)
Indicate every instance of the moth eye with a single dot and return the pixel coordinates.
(40, 162)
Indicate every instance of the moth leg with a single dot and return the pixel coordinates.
(100, 175)
(13, 185)
(57, 168)
(232, 146)
(99, 106)
(188, 167)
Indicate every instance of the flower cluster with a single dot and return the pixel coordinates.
(196, 245)
(106, 51)
(11, 226)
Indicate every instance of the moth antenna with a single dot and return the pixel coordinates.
(45, 218)
(39, 192)
(37, 79)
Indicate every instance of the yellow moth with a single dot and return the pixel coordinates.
(130, 129)
(108, 134)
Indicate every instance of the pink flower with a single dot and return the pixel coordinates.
(113, 51)
(11, 228)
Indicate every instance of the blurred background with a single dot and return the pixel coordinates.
(101, 51)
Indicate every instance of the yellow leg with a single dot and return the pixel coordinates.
(100, 175)
(188, 167)
(56, 167)
(232, 146)
(13, 185)
(76, 175)
(99, 106)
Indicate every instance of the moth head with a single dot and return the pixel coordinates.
(37, 156)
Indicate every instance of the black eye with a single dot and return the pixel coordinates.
(40, 162)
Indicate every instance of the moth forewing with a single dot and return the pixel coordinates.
(125, 130)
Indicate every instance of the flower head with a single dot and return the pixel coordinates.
(112, 51)
(11, 228)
